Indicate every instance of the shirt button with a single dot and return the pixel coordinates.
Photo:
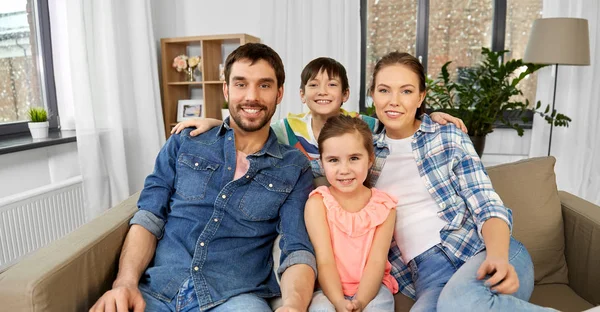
(431, 191)
(270, 185)
(443, 205)
(196, 268)
(224, 196)
(202, 244)
(216, 220)
(247, 177)
(196, 164)
(228, 168)
(229, 138)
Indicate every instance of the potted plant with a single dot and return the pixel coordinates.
(225, 110)
(485, 94)
(38, 125)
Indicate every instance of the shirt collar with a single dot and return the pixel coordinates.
(270, 148)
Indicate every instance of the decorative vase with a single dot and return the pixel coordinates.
(479, 143)
(39, 130)
(190, 74)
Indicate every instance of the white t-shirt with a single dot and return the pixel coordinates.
(417, 222)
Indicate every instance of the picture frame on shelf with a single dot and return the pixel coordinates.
(188, 109)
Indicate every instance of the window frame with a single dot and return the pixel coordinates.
(45, 71)
(422, 44)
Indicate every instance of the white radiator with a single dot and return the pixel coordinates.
(32, 219)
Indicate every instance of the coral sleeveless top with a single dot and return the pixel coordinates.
(352, 236)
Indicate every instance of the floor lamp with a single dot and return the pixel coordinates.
(558, 41)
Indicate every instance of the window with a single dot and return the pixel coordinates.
(447, 30)
(26, 73)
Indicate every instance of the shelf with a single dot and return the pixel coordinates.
(185, 83)
(213, 50)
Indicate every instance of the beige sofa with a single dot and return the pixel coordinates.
(561, 231)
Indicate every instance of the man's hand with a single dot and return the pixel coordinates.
(503, 280)
(120, 299)
(443, 118)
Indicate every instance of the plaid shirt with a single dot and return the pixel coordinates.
(454, 176)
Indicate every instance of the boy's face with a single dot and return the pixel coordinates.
(324, 95)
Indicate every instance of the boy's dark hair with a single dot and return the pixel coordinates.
(333, 68)
(339, 125)
(411, 62)
(255, 52)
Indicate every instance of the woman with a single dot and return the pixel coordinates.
(452, 246)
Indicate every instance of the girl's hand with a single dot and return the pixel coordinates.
(443, 118)
(503, 280)
(202, 125)
(357, 306)
(343, 305)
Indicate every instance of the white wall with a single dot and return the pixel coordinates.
(27, 170)
(198, 18)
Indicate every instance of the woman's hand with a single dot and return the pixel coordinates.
(503, 280)
(202, 125)
(443, 118)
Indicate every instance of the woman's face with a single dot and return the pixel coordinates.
(396, 97)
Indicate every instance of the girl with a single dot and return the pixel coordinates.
(323, 88)
(453, 249)
(350, 224)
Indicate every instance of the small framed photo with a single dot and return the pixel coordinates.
(187, 109)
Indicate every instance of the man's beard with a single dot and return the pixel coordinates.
(251, 127)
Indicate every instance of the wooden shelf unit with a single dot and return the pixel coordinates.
(174, 86)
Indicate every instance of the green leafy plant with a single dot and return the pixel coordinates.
(37, 114)
(485, 94)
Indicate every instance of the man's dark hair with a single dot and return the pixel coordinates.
(255, 52)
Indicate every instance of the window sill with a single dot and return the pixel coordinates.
(23, 141)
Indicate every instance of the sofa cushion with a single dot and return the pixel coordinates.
(560, 297)
(528, 187)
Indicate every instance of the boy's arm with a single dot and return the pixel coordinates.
(372, 277)
(318, 231)
(201, 124)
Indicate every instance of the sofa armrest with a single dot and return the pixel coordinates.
(582, 245)
(70, 274)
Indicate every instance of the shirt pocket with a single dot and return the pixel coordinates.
(193, 176)
(264, 197)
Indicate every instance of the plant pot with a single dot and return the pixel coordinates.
(39, 130)
(479, 143)
(224, 113)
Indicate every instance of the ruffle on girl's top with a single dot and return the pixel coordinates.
(357, 223)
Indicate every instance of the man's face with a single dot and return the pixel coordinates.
(252, 94)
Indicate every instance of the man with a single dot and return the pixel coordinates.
(215, 203)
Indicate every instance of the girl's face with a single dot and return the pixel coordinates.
(396, 97)
(324, 95)
(346, 161)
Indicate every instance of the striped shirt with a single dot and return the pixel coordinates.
(296, 131)
(455, 177)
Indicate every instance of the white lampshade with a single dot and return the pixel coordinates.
(558, 41)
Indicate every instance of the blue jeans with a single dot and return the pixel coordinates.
(383, 302)
(186, 300)
(444, 283)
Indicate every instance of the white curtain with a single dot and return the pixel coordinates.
(108, 71)
(577, 148)
(301, 31)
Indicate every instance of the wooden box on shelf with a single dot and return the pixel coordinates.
(213, 51)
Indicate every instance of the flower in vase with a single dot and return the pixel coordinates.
(193, 61)
(180, 62)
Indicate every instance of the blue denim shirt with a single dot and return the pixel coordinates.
(218, 230)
